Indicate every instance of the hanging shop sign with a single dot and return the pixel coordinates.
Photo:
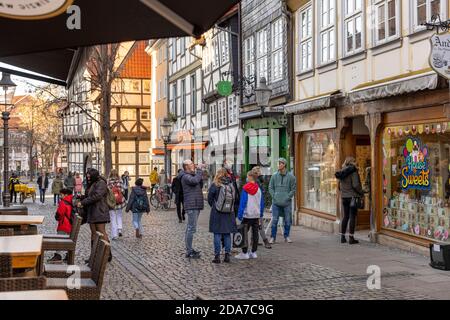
(317, 120)
(416, 171)
(440, 54)
(33, 9)
(224, 88)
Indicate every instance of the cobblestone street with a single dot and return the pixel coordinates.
(315, 266)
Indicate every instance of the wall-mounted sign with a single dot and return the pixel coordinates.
(33, 9)
(317, 120)
(415, 172)
(225, 88)
(440, 54)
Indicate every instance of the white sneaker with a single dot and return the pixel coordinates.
(253, 255)
(288, 240)
(242, 256)
(271, 240)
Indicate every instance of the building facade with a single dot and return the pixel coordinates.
(364, 88)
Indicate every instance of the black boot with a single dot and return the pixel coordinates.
(343, 240)
(352, 240)
(227, 258)
(216, 259)
(110, 257)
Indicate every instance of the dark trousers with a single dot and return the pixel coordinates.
(55, 199)
(254, 225)
(349, 214)
(42, 195)
(180, 210)
(125, 193)
(13, 194)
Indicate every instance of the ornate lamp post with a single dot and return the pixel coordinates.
(263, 94)
(8, 88)
(166, 131)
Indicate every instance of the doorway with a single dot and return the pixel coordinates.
(356, 143)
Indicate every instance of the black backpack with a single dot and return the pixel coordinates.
(140, 203)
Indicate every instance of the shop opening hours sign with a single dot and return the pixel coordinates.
(415, 171)
(440, 54)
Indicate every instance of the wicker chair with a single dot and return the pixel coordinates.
(90, 289)
(6, 260)
(62, 270)
(9, 232)
(23, 284)
(62, 243)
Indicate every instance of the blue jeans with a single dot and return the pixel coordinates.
(42, 195)
(276, 211)
(191, 228)
(218, 242)
(137, 216)
(55, 199)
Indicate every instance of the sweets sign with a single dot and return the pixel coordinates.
(440, 54)
(33, 9)
(415, 172)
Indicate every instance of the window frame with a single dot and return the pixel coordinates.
(193, 94)
(233, 118)
(213, 116)
(183, 98)
(222, 107)
(277, 52)
(414, 17)
(249, 52)
(328, 30)
(353, 17)
(306, 40)
(224, 47)
(376, 5)
(262, 56)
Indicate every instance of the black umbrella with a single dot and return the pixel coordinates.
(42, 35)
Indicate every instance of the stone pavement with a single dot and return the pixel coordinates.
(315, 266)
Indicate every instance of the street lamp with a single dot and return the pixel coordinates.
(8, 88)
(263, 94)
(166, 131)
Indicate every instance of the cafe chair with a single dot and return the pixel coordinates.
(23, 284)
(89, 289)
(6, 260)
(63, 243)
(62, 270)
(9, 232)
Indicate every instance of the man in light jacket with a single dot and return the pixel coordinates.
(192, 184)
(282, 188)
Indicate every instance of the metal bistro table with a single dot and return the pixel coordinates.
(23, 225)
(34, 295)
(24, 250)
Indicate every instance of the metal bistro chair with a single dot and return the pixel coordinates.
(89, 289)
(62, 271)
(5, 260)
(61, 243)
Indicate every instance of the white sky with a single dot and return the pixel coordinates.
(21, 82)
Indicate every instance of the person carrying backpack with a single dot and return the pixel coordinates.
(138, 204)
(64, 217)
(115, 184)
(222, 196)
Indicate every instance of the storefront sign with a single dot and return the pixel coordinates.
(33, 9)
(224, 88)
(318, 120)
(415, 172)
(440, 54)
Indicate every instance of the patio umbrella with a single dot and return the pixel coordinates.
(43, 35)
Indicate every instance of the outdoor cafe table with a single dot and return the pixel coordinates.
(24, 250)
(23, 222)
(34, 295)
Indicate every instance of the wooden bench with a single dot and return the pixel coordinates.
(14, 210)
(34, 295)
(22, 225)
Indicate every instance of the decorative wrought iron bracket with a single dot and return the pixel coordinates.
(437, 24)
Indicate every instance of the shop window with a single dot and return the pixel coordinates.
(319, 182)
(416, 179)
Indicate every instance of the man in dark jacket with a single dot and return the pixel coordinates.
(178, 191)
(42, 183)
(192, 184)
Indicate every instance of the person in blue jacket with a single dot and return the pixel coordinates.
(251, 210)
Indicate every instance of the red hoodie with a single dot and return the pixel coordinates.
(251, 188)
(64, 212)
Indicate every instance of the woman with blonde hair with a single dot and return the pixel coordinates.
(115, 184)
(351, 194)
(222, 223)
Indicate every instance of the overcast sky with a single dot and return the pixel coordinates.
(21, 82)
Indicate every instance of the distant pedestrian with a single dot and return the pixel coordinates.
(69, 182)
(222, 223)
(154, 179)
(126, 183)
(351, 189)
(251, 210)
(178, 191)
(282, 188)
(260, 181)
(42, 182)
(57, 186)
(116, 186)
(13, 181)
(78, 184)
(138, 205)
(95, 204)
(63, 216)
(192, 184)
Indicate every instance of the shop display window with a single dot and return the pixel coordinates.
(415, 181)
(319, 182)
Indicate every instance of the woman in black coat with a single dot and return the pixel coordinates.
(221, 224)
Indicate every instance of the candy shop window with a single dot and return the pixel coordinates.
(416, 186)
(319, 182)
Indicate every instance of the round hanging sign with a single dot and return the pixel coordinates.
(439, 56)
(33, 9)
(225, 88)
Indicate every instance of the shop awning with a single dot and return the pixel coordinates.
(417, 82)
(311, 104)
(37, 38)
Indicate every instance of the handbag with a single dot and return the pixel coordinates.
(357, 202)
(240, 237)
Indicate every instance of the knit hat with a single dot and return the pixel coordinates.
(283, 160)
